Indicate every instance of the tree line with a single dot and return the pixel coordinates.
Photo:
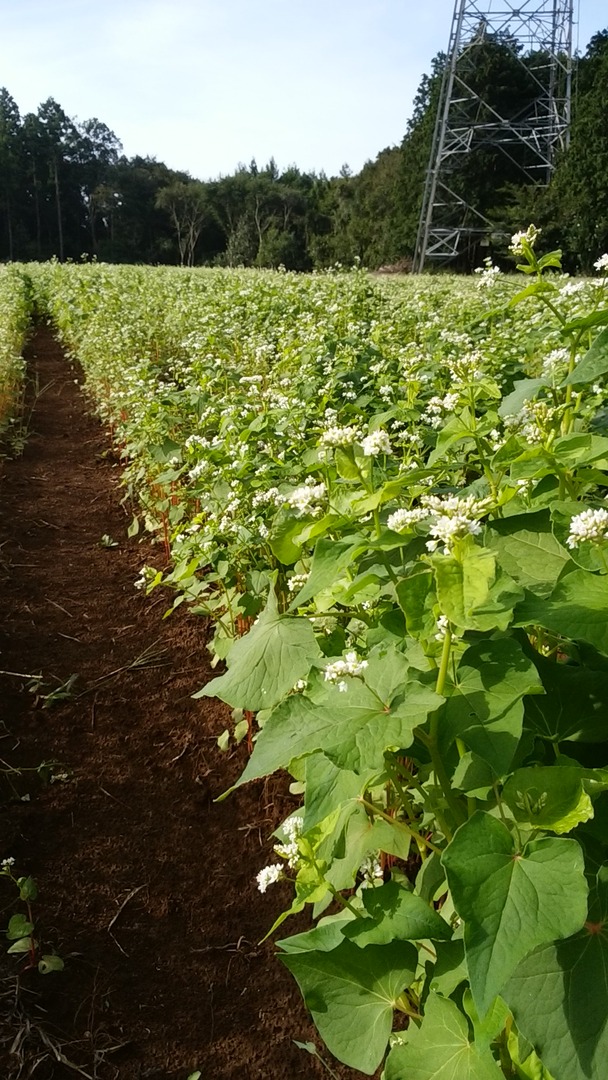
(67, 190)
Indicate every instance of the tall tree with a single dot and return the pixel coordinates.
(187, 204)
(97, 151)
(10, 127)
(60, 140)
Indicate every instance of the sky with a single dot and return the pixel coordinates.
(204, 85)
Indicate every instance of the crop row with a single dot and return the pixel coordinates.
(391, 499)
(15, 318)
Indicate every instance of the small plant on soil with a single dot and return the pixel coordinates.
(21, 931)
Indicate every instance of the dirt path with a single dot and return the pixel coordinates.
(146, 886)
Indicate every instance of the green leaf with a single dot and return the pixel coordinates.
(576, 609)
(528, 1067)
(50, 963)
(574, 705)
(328, 787)
(450, 967)
(588, 322)
(416, 595)
(511, 902)
(396, 915)
(354, 837)
(284, 538)
(472, 592)
(593, 364)
(527, 549)
(345, 464)
(28, 890)
(440, 1049)
(22, 946)
(330, 559)
(524, 390)
(582, 448)
(486, 1030)
(464, 583)
(559, 996)
(474, 776)
(485, 708)
(324, 937)
(265, 664)
(354, 729)
(454, 431)
(18, 927)
(351, 994)
(552, 798)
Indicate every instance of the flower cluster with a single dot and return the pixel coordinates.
(269, 876)
(292, 829)
(304, 499)
(590, 525)
(349, 665)
(404, 519)
(554, 366)
(454, 518)
(601, 264)
(487, 274)
(339, 436)
(289, 850)
(297, 582)
(437, 407)
(377, 442)
(519, 240)
(371, 872)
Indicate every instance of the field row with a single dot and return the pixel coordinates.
(390, 498)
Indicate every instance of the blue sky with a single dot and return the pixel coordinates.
(206, 84)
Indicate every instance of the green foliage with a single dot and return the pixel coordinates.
(406, 567)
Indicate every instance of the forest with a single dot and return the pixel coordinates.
(68, 191)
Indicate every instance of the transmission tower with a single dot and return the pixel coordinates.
(537, 36)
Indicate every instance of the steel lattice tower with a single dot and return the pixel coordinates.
(537, 35)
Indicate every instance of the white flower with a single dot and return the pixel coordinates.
(371, 871)
(198, 470)
(304, 498)
(264, 498)
(404, 519)
(350, 665)
(454, 518)
(571, 288)
(529, 236)
(601, 263)
(339, 436)
(555, 363)
(487, 274)
(296, 582)
(375, 443)
(289, 850)
(6, 864)
(589, 525)
(269, 876)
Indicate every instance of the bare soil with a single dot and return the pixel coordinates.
(146, 885)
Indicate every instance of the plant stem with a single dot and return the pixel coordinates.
(399, 824)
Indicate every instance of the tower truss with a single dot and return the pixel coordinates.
(535, 38)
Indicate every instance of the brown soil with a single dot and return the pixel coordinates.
(146, 885)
